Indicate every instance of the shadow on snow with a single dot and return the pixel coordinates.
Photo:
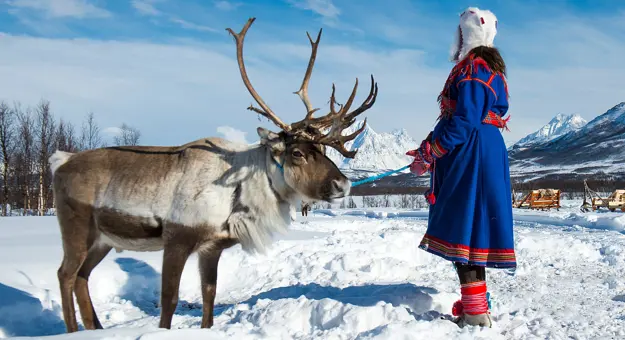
(142, 289)
(22, 314)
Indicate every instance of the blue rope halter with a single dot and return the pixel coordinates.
(376, 177)
(359, 182)
(280, 166)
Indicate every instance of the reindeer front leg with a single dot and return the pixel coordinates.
(175, 256)
(208, 262)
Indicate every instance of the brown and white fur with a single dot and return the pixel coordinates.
(204, 197)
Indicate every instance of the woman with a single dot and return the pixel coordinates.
(470, 219)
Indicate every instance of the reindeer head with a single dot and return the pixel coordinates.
(299, 148)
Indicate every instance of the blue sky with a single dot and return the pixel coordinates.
(168, 67)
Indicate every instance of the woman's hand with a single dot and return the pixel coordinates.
(423, 159)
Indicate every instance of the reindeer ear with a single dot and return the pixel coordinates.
(271, 139)
(267, 136)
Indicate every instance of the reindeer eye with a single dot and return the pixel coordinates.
(297, 153)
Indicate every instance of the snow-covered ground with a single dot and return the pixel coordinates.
(339, 274)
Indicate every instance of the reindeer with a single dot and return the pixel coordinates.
(204, 196)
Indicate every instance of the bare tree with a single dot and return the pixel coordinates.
(343, 205)
(386, 201)
(24, 162)
(404, 201)
(351, 204)
(65, 140)
(45, 144)
(91, 137)
(65, 137)
(7, 146)
(127, 136)
(71, 141)
(60, 142)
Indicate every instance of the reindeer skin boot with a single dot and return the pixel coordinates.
(473, 307)
(476, 317)
(482, 320)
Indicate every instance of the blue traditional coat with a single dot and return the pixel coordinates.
(471, 218)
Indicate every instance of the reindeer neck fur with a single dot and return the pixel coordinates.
(262, 200)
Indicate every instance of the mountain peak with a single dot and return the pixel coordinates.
(376, 150)
(614, 114)
(558, 126)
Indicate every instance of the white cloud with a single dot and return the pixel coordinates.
(227, 5)
(146, 7)
(325, 8)
(112, 131)
(233, 134)
(60, 8)
(330, 13)
(192, 26)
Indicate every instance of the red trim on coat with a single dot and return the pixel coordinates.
(478, 80)
(496, 120)
(437, 149)
(447, 249)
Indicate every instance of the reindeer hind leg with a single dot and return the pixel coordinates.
(75, 236)
(97, 252)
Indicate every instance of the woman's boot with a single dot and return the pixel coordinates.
(472, 308)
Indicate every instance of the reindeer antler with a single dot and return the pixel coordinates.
(265, 111)
(337, 121)
(310, 129)
(303, 91)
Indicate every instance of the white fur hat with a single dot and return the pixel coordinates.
(477, 27)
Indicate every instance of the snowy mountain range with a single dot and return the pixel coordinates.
(558, 126)
(597, 149)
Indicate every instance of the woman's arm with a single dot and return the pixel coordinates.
(475, 96)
